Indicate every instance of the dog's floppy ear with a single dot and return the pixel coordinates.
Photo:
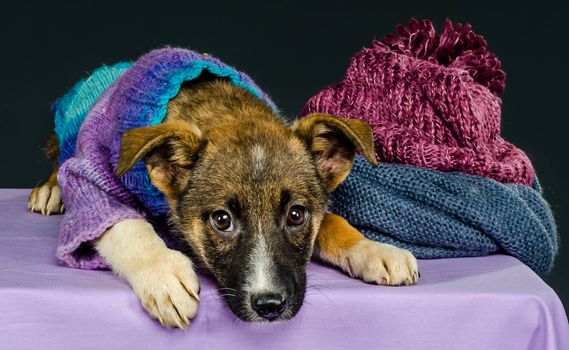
(333, 142)
(169, 151)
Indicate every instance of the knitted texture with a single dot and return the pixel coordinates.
(447, 185)
(442, 214)
(70, 109)
(431, 100)
(95, 199)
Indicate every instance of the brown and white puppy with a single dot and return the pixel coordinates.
(248, 193)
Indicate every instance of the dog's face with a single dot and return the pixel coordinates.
(251, 212)
(249, 198)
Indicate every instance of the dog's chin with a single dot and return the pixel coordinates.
(243, 310)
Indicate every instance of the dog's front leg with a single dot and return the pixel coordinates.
(163, 279)
(340, 244)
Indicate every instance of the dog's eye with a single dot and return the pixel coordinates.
(221, 221)
(296, 215)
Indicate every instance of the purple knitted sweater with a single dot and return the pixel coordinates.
(95, 199)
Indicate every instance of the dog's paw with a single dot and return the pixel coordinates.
(168, 288)
(381, 263)
(46, 200)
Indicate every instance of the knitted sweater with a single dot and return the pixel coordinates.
(90, 121)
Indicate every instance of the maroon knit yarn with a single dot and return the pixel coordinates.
(431, 100)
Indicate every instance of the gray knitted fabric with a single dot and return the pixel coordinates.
(442, 214)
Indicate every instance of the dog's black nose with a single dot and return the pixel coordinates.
(269, 305)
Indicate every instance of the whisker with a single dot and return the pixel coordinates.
(228, 295)
(242, 312)
(312, 287)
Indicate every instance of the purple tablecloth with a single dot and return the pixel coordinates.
(487, 303)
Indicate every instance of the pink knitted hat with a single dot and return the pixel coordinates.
(431, 100)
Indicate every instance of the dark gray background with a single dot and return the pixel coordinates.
(292, 51)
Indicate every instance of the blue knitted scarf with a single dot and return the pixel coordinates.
(439, 215)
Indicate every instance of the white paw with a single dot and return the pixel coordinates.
(381, 263)
(167, 287)
(46, 200)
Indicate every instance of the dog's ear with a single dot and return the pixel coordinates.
(333, 142)
(169, 151)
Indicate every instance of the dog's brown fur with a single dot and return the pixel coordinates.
(221, 146)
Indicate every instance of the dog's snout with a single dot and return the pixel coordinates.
(269, 305)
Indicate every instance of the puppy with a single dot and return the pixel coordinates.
(248, 193)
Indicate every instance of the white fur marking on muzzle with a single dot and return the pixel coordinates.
(261, 277)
